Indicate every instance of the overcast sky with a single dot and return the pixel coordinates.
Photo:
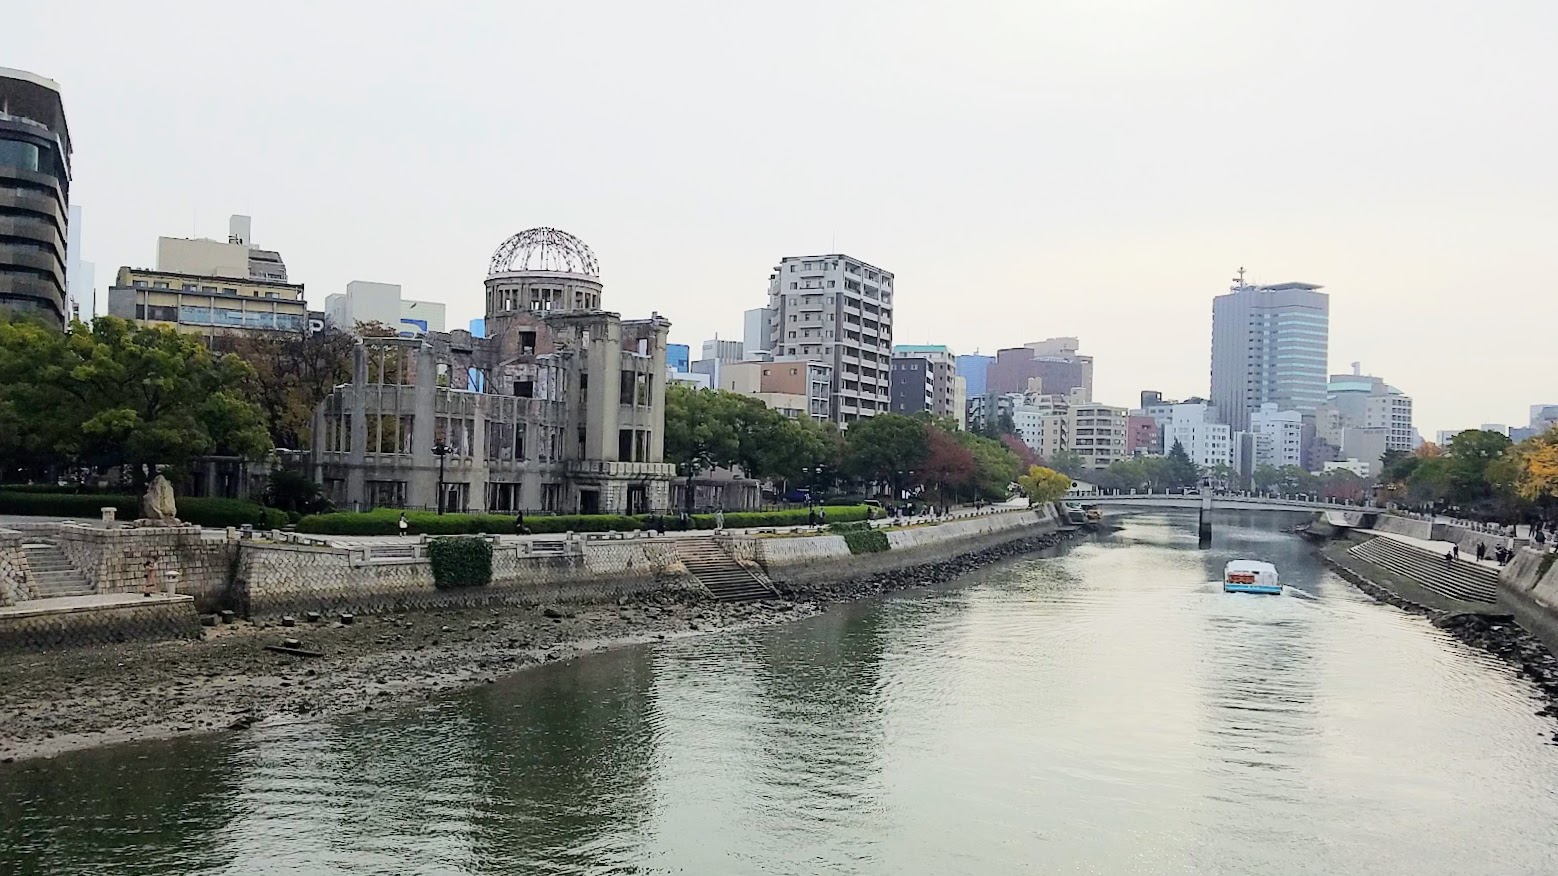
(1096, 168)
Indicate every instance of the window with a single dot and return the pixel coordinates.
(160, 284)
(229, 291)
(162, 313)
(792, 335)
(139, 284)
(208, 289)
(792, 286)
(27, 156)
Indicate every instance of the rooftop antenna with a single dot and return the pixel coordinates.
(1238, 282)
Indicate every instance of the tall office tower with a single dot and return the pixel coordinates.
(1269, 345)
(34, 197)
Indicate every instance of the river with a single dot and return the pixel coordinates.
(1107, 710)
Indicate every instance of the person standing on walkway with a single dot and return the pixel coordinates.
(402, 524)
(519, 524)
(1456, 550)
(1482, 551)
(1449, 559)
(811, 515)
(719, 518)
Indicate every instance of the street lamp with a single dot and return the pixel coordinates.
(813, 475)
(441, 450)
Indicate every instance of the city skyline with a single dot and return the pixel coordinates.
(1413, 189)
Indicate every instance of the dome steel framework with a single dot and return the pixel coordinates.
(544, 249)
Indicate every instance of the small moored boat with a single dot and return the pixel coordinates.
(1250, 576)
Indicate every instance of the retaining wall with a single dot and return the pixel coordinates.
(158, 617)
(1528, 589)
(1406, 526)
(277, 579)
(15, 577)
(809, 559)
(114, 560)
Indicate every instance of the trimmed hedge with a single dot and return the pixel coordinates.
(861, 541)
(841, 528)
(204, 512)
(385, 521)
(460, 562)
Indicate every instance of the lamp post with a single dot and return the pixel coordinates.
(813, 475)
(441, 450)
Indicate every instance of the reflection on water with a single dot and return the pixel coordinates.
(1109, 711)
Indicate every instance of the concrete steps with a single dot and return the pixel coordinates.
(52, 574)
(726, 579)
(1460, 579)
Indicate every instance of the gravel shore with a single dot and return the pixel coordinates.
(64, 700)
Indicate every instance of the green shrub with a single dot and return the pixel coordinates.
(872, 541)
(229, 512)
(67, 504)
(460, 562)
(857, 526)
(202, 512)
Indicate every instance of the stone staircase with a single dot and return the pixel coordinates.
(727, 579)
(1463, 580)
(52, 573)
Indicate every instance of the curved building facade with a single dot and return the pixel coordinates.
(34, 196)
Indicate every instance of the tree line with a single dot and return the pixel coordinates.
(707, 429)
(1480, 474)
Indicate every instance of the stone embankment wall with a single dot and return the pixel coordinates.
(15, 577)
(1406, 526)
(809, 559)
(114, 560)
(158, 617)
(277, 579)
(1528, 589)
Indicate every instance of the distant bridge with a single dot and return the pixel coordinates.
(1220, 502)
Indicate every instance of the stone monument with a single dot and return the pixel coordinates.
(157, 507)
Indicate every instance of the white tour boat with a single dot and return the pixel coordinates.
(1250, 576)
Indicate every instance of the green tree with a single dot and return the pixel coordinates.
(887, 448)
(701, 431)
(292, 374)
(1470, 456)
(1266, 477)
(996, 466)
(1180, 472)
(1043, 485)
(118, 394)
(1067, 462)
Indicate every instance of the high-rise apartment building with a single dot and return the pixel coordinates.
(34, 197)
(1367, 402)
(837, 310)
(1054, 364)
(1269, 345)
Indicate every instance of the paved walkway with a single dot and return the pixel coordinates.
(89, 602)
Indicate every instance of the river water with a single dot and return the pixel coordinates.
(1107, 710)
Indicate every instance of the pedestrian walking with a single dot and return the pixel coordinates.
(822, 516)
(402, 524)
(660, 523)
(1482, 552)
(519, 524)
(1456, 549)
(1449, 559)
(811, 515)
(719, 518)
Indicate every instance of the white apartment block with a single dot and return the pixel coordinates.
(725, 352)
(1279, 436)
(837, 310)
(1208, 443)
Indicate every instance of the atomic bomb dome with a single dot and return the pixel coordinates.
(548, 250)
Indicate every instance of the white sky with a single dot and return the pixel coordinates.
(1095, 168)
